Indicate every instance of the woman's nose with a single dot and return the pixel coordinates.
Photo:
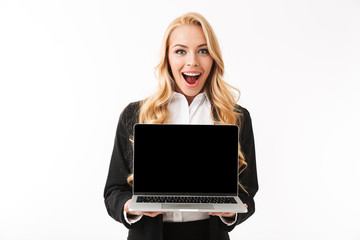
(192, 60)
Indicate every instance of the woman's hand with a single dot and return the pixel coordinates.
(149, 214)
(224, 214)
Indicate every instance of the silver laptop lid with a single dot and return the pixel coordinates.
(176, 159)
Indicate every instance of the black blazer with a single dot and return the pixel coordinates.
(117, 191)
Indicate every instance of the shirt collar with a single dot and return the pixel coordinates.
(200, 96)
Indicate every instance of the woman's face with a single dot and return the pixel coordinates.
(189, 60)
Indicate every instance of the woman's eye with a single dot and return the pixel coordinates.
(205, 51)
(180, 51)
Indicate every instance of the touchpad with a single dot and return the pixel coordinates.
(186, 206)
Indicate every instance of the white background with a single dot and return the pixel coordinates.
(68, 68)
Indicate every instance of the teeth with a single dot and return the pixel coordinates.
(191, 74)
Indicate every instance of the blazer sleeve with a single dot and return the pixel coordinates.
(248, 178)
(117, 191)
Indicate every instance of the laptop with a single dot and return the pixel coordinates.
(186, 168)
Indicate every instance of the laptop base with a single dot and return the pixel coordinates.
(237, 207)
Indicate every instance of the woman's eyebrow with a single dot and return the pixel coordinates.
(202, 45)
(180, 45)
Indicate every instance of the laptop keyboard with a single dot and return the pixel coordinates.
(174, 199)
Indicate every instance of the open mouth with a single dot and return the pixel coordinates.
(191, 78)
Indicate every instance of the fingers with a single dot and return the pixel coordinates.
(126, 206)
(126, 209)
(222, 214)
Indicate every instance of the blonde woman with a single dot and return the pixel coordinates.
(191, 91)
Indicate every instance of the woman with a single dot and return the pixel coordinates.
(191, 91)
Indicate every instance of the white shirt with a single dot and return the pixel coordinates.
(199, 112)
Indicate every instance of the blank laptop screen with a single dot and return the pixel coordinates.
(185, 159)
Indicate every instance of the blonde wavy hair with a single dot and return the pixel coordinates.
(154, 109)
